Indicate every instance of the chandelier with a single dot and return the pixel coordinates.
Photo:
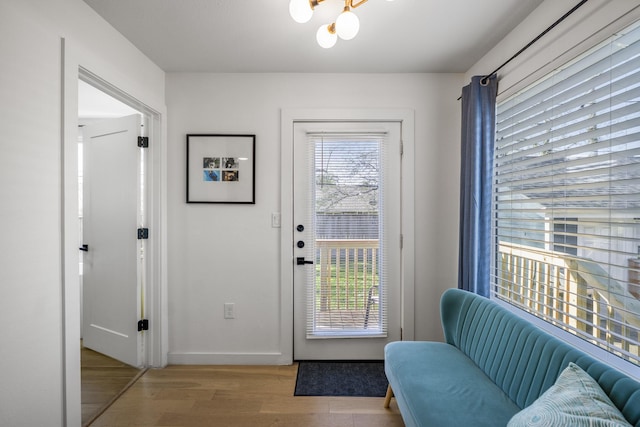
(346, 25)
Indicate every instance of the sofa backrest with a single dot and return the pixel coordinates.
(519, 357)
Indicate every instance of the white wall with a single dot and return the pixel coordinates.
(30, 276)
(230, 253)
(38, 127)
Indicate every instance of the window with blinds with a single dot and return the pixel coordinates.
(567, 197)
(347, 292)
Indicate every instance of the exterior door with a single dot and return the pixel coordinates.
(347, 239)
(112, 257)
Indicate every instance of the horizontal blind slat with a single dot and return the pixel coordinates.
(596, 59)
(585, 93)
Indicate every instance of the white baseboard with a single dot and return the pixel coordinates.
(197, 358)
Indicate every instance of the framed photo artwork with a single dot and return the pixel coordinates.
(221, 168)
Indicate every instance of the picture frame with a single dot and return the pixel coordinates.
(221, 168)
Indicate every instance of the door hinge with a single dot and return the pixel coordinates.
(401, 148)
(143, 233)
(402, 241)
(143, 325)
(143, 141)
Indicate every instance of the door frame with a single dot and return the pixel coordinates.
(407, 288)
(155, 286)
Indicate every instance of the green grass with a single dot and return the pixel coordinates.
(348, 287)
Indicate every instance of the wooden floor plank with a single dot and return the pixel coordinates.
(237, 396)
(102, 379)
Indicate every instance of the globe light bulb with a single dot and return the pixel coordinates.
(300, 10)
(347, 25)
(325, 37)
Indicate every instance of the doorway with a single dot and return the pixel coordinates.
(347, 200)
(110, 182)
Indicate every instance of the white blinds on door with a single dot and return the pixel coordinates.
(346, 295)
(567, 197)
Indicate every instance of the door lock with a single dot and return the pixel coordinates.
(301, 261)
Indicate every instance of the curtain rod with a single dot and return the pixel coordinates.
(551, 27)
(528, 45)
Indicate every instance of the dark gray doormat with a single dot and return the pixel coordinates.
(341, 378)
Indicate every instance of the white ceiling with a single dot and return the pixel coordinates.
(260, 36)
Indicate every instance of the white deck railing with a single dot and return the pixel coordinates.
(346, 274)
(575, 294)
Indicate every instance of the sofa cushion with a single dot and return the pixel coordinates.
(437, 385)
(574, 400)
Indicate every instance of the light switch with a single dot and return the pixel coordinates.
(275, 220)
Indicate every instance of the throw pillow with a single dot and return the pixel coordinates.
(574, 400)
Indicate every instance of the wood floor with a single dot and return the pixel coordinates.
(235, 396)
(102, 379)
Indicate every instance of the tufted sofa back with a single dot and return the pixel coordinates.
(522, 359)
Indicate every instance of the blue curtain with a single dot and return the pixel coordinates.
(478, 133)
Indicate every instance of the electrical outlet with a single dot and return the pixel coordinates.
(229, 310)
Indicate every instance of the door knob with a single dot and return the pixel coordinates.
(301, 261)
(84, 248)
(300, 244)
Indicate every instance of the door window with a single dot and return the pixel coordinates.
(346, 290)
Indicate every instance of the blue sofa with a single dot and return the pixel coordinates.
(492, 365)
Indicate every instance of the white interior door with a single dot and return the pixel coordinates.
(347, 239)
(112, 262)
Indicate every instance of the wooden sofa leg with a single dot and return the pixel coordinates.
(387, 398)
